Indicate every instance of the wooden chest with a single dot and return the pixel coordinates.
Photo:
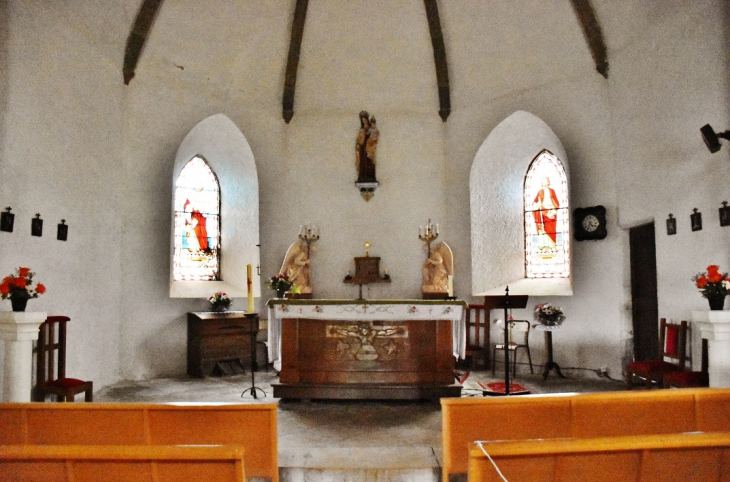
(220, 343)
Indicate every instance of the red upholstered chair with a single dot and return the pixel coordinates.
(673, 345)
(689, 379)
(51, 364)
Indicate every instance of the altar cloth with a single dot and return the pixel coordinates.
(362, 310)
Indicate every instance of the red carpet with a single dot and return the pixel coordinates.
(499, 387)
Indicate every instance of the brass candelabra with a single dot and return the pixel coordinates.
(428, 235)
(308, 234)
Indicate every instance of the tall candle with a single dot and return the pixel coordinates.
(451, 285)
(249, 283)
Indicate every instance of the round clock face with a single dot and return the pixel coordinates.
(590, 223)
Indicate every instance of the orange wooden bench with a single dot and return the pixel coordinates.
(252, 426)
(641, 458)
(465, 420)
(120, 463)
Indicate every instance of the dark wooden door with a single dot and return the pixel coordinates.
(645, 310)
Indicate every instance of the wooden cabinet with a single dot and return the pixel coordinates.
(220, 343)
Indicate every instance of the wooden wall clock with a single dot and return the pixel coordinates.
(589, 223)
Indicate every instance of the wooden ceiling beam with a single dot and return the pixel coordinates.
(138, 36)
(292, 64)
(592, 32)
(439, 56)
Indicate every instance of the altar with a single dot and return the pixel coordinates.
(366, 349)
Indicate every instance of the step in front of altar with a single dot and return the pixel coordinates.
(364, 391)
(360, 464)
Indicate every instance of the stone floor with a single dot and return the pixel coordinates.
(384, 441)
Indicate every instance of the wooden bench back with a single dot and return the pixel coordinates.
(253, 426)
(641, 458)
(465, 420)
(120, 463)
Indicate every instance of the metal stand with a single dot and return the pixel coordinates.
(253, 318)
(506, 355)
(550, 365)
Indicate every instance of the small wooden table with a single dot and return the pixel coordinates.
(220, 343)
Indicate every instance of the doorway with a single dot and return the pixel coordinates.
(645, 309)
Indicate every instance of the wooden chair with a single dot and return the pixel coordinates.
(673, 345)
(51, 364)
(519, 337)
(477, 322)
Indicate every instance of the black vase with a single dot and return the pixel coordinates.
(19, 304)
(280, 293)
(716, 302)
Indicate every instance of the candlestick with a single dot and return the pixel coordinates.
(450, 285)
(428, 235)
(249, 283)
(308, 234)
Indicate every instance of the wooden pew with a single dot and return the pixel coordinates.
(642, 458)
(252, 426)
(465, 420)
(119, 463)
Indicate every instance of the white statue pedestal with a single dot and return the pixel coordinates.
(715, 328)
(18, 330)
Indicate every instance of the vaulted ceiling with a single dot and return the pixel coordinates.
(512, 44)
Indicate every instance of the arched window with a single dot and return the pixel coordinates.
(546, 222)
(197, 238)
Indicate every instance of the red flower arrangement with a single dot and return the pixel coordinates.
(712, 283)
(19, 287)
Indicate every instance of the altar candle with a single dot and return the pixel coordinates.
(450, 281)
(249, 283)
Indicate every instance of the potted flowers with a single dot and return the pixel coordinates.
(548, 314)
(713, 285)
(281, 284)
(19, 288)
(219, 301)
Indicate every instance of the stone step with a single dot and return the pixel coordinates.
(360, 464)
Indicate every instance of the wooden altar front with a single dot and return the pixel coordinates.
(366, 349)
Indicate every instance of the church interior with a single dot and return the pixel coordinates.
(103, 104)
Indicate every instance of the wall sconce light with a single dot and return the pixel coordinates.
(712, 139)
(7, 219)
(62, 234)
(36, 226)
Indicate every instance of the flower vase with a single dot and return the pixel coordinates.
(280, 293)
(19, 304)
(716, 302)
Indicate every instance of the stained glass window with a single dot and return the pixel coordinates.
(547, 230)
(197, 223)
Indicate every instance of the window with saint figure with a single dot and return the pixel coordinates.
(197, 223)
(547, 229)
